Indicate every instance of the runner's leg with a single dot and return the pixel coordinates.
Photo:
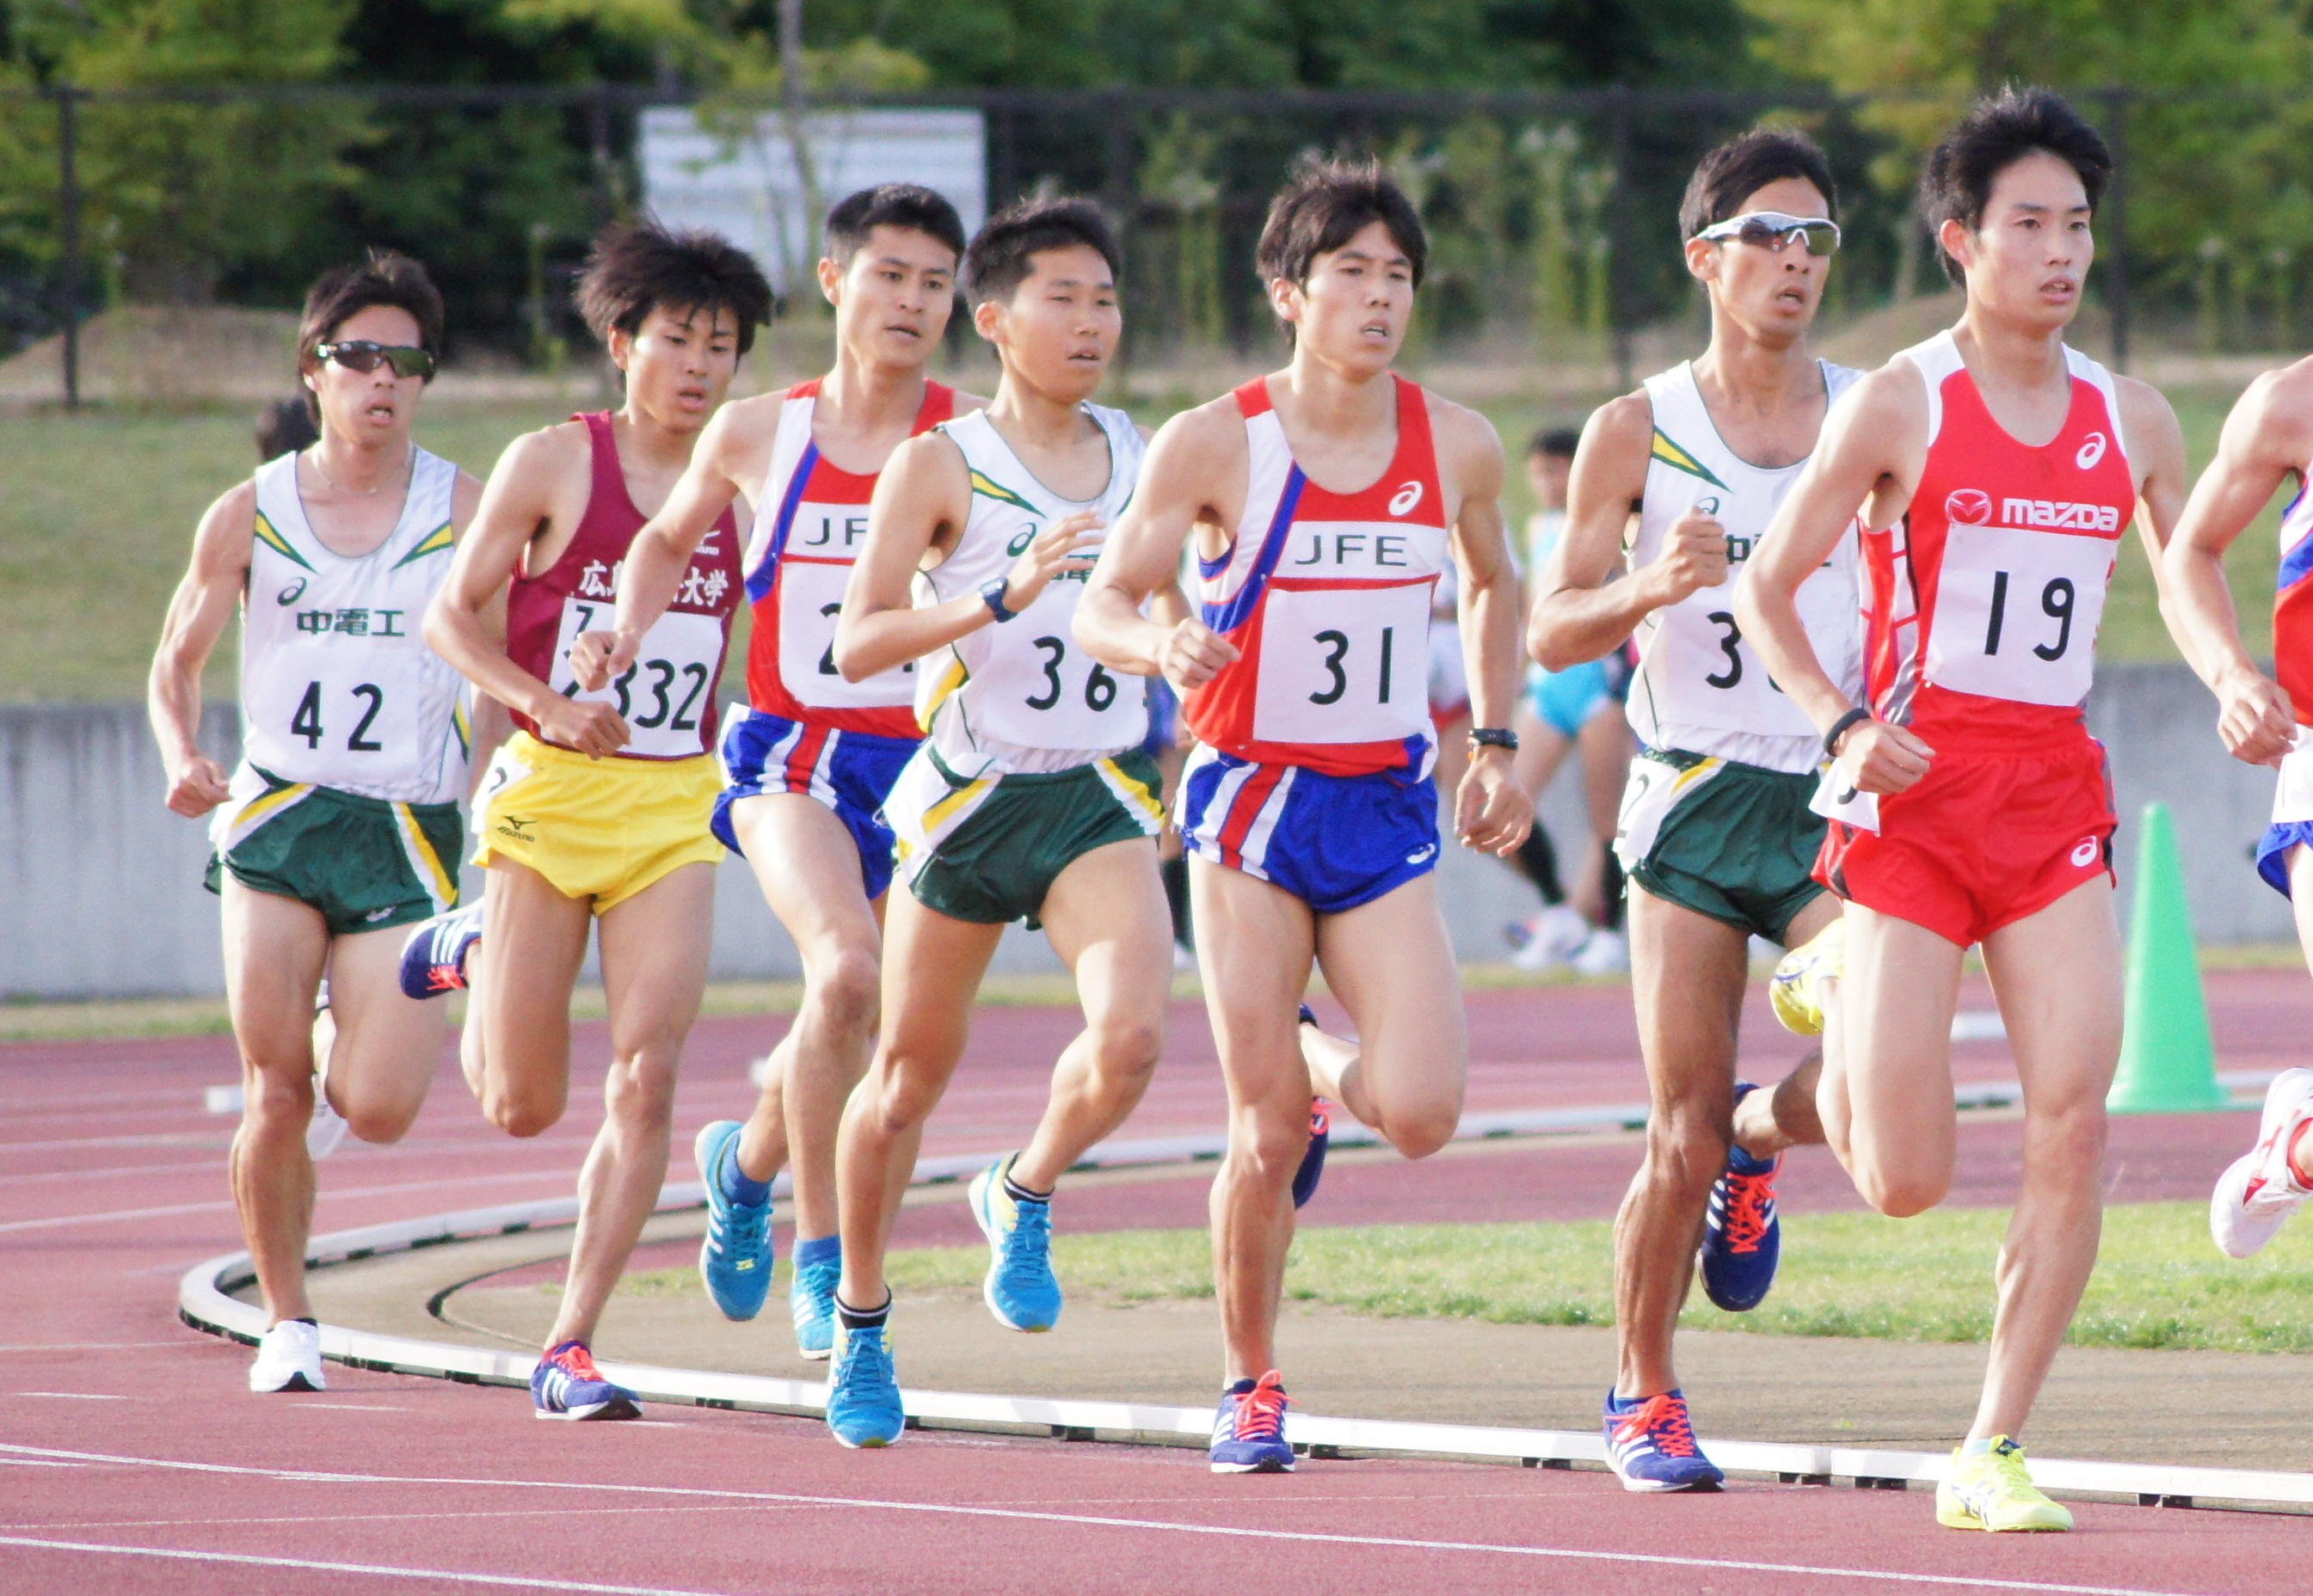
(387, 1045)
(1767, 1122)
(275, 948)
(1604, 746)
(1885, 1097)
(521, 973)
(1106, 916)
(1391, 966)
(2057, 977)
(1688, 973)
(1255, 945)
(808, 866)
(933, 965)
(655, 949)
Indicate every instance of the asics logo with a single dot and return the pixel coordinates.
(2085, 853)
(2058, 515)
(292, 594)
(2090, 452)
(1404, 499)
(1422, 853)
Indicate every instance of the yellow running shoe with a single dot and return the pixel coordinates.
(1991, 1490)
(1797, 990)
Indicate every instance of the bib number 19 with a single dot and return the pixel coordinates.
(2056, 601)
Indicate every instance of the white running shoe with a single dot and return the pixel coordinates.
(288, 1359)
(1551, 938)
(326, 1127)
(2259, 1192)
(1602, 953)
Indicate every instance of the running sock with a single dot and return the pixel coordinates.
(1018, 1192)
(820, 1249)
(1537, 861)
(304, 1318)
(1975, 1448)
(1175, 873)
(1238, 1388)
(863, 1318)
(1611, 890)
(735, 1184)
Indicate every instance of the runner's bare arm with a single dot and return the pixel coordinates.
(1491, 812)
(1873, 447)
(516, 505)
(734, 450)
(488, 725)
(1580, 612)
(202, 606)
(1191, 454)
(2267, 441)
(2156, 450)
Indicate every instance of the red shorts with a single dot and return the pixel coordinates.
(1981, 841)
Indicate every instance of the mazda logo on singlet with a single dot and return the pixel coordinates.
(1968, 506)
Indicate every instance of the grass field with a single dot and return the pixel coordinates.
(97, 518)
(2159, 1282)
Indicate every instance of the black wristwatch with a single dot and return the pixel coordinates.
(1501, 736)
(992, 595)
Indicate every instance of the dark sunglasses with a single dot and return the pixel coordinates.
(1771, 230)
(359, 355)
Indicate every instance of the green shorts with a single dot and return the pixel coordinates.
(1733, 842)
(365, 864)
(989, 849)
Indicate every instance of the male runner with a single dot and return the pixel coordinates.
(1995, 471)
(811, 759)
(2267, 441)
(596, 809)
(341, 822)
(1715, 833)
(1031, 798)
(1323, 499)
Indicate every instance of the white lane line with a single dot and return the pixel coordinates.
(1967, 1582)
(86, 1346)
(347, 1406)
(439, 1575)
(560, 1172)
(73, 1396)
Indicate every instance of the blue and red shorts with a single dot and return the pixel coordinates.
(849, 772)
(1332, 841)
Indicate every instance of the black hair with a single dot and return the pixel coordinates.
(381, 278)
(285, 426)
(638, 267)
(1997, 131)
(891, 205)
(1554, 442)
(999, 258)
(1326, 202)
(1742, 166)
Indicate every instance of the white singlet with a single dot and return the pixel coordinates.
(1019, 694)
(1700, 687)
(337, 685)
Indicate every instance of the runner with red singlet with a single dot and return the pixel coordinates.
(809, 762)
(1995, 471)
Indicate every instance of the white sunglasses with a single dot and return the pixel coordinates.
(1774, 230)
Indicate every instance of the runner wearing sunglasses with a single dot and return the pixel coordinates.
(340, 824)
(594, 814)
(1715, 834)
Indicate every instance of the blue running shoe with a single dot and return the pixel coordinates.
(1651, 1445)
(1742, 1237)
(1249, 1428)
(735, 1258)
(812, 1297)
(566, 1384)
(1313, 1161)
(863, 1393)
(434, 959)
(1022, 1291)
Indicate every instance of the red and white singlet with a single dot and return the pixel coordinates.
(667, 697)
(1327, 596)
(1982, 603)
(810, 520)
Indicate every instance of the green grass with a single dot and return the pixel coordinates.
(97, 524)
(2158, 1283)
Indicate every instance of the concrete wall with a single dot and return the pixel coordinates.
(101, 894)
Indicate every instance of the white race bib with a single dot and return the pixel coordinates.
(664, 693)
(811, 597)
(2017, 613)
(1343, 664)
(1835, 800)
(1041, 690)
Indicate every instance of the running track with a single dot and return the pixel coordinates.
(133, 1460)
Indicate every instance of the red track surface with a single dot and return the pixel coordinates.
(132, 1457)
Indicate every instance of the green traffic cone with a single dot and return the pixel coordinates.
(2168, 1059)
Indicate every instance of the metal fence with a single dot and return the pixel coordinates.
(1552, 215)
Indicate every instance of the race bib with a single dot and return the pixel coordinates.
(1835, 800)
(1343, 664)
(2016, 614)
(1711, 676)
(1654, 787)
(811, 597)
(663, 696)
(1039, 689)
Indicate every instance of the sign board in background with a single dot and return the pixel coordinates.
(739, 176)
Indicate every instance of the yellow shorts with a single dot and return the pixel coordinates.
(599, 829)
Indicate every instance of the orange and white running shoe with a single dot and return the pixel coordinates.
(2260, 1190)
